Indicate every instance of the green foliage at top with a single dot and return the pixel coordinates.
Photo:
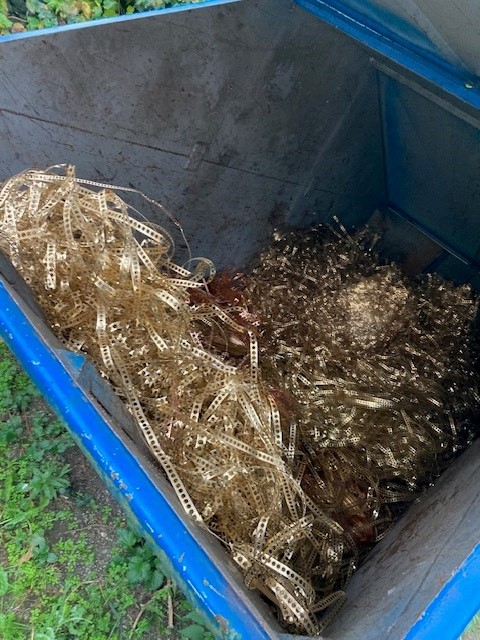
(23, 15)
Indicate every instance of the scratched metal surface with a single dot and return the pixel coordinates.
(238, 117)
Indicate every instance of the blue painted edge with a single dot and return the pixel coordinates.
(207, 585)
(74, 361)
(105, 21)
(425, 65)
(447, 616)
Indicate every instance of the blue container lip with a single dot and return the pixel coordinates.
(111, 21)
(447, 616)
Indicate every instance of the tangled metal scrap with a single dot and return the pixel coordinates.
(288, 409)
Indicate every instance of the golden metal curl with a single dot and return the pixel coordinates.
(287, 425)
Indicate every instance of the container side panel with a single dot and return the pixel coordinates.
(346, 176)
(458, 272)
(408, 569)
(405, 244)
(239, 117)
(224, 212)
(433, 169)
(457, 603)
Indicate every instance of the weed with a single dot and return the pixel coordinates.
(143, 566)
(53, 585)
(16, 388)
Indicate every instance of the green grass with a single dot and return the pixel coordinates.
(472, 632)
(70, 567)
(23, 15)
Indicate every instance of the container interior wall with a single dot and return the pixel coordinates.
(238, 118)
(432, 168)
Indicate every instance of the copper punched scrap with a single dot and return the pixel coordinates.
(378, 369)
(289, 409)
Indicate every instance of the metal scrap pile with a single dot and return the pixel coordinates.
(289, 408)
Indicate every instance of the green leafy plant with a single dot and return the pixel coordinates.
(41, 548)
(21, 15)
(11, 429)
(50, 437)
(55, 583)
(143, 566)
(5, 25)
(16, 388)
(46, 484)
(11, 628)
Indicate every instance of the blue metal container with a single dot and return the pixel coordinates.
(241, 117)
